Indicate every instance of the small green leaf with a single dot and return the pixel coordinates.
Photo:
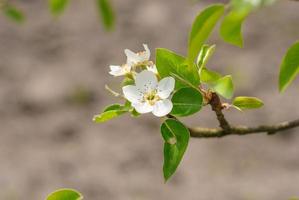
(57, 6)
(209, 76)
(176, 138)
(111, 112)
(224, 86)
(169, 63)
(202, 28)
(186, 101)
(289, 68)
(65, 194)
(244, 103)
(107, 14)
(204, 55)
(13, 13)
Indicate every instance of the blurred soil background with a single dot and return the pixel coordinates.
(52, 77)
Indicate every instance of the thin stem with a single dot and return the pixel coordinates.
(242, 130)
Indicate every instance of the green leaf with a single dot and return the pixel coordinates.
(224, 86)
(57, 6)
(244, 103)
(209, 76)
(13, 13)
(204, 55)
(111, 112)
(65, 194)
(289, 67)
(169, 63)
(176, 138)
(107, 14)
(202, 28)
(186, 101)
(231, 27)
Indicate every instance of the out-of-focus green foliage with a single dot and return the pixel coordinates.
(65, 194)
(289, 68)
(13, 13)
(57, 7)
(231, 26)
(107, 14)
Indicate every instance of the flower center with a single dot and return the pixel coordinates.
(151, 97)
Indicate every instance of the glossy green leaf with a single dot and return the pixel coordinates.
(289, 68)
(111, 112)
(202, 28)
(204, 55)
(224, 86)
(107, 14)
(13, 13)
(244, 103)
(57, 6)
(209, 76)
(65, 194)
(176, 138)
(169, 63)
(186, 101)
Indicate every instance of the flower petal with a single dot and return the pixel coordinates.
(152, 68)
(165, 87)
(146, 81)
(131, 56)
(147, 54)
(116, 70)
(132, 93)
(162, 108)
(142, 107)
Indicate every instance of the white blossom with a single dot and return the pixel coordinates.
(149, 95)
(122, 70)
(140, 58)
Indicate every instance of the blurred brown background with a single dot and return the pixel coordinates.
(52, 76)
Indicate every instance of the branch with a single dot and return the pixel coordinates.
(242, 130)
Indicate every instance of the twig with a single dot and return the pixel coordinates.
(242, 130)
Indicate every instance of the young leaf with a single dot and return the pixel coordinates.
(201, 29)
(244, 103)
(176, 138)
(13, 13)
(224, 86)
(204, 55)
(186, 101)
(209, 76)
(289, 68)
(169, 63)
(65, 194)
(231, 27)
(107, 14)
(111, 112)
(57, 6)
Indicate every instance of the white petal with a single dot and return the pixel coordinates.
(152, 68)
(116, 70)
(132, 93)
(146, 80)
(162, 108)
(142, 107)
(165, 87)
(147, 53)
(131, 56)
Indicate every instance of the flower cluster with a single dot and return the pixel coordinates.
(149, 94)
